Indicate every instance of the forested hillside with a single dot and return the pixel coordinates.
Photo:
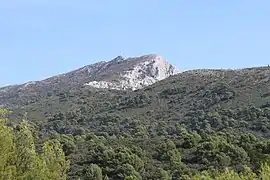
(21, 159)
(201, 124)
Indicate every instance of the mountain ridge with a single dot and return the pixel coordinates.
(119, 73)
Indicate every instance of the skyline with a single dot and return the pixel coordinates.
(181, 71)
(44, 38)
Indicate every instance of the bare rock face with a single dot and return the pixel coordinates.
(119, 74)
(136, 73)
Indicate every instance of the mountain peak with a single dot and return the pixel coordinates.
(151, 56)
(118, 59)
(135, 72)
(119, 73)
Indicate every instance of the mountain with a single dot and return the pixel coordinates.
(174, 100)
(133, 73)
(119, 73)
(194, 121)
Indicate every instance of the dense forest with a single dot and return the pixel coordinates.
(208, 124)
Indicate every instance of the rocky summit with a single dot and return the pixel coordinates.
(119, 73)
(133, 73)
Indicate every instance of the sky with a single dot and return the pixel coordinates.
(42, 38)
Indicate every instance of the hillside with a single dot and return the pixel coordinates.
(172, 99)
(193, 121)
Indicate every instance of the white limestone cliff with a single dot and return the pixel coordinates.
(146, 71)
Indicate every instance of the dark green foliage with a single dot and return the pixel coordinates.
(21, 161)
(197, 121)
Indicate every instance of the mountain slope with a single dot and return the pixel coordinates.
(194, 121)
(119, 73)
(172, 100)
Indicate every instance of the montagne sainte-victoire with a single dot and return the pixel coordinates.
(119, 73)
(139, 119)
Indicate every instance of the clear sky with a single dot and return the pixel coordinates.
(41, 38)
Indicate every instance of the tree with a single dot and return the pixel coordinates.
(129, 172)
(25, 152)
(162, 175)
(265, 172)
(93, 172)
(55, 161)
(7, 146)
(19, 159)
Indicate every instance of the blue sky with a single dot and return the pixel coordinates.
(41, 38)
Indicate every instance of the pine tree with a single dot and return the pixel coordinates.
(19, 159)
(55, 161)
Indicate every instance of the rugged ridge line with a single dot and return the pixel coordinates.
(119, 74)
(146, 71)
